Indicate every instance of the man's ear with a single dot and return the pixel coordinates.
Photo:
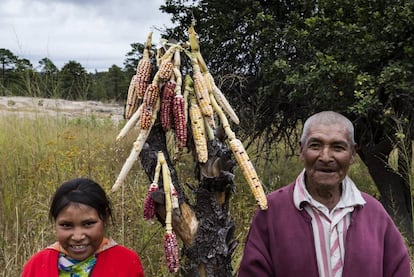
(300, 151)
(354, 153)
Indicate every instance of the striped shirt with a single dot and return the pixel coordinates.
(329, 227)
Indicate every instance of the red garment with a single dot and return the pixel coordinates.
(116, 261)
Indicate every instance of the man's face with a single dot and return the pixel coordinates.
(327, 154)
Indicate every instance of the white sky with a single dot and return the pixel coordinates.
(95, 33)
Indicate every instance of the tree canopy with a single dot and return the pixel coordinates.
(294, 58)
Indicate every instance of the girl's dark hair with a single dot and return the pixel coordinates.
(84, 191)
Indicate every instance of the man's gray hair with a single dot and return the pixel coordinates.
(328, 118)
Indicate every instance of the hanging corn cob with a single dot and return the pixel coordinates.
(151, 97)
(132, 99)
(133, 156)
(189, 93)
(198, 129)
(149, 203)
(166, 70)
(249, 172)
(171, 251)
(143, 74)
(129, 124)
(180, 121)
(166, 63)
(219, 96)
(242, 158)
(179, 112)
(167, 96)
(143, 135)
(146, 116)
(140, 80)
(170, 240)
(201, 91)
(144, 67)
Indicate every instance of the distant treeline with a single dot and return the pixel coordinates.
(18, 77)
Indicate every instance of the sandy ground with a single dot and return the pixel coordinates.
(29, 106)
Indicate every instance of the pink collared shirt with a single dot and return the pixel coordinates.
(329, 227)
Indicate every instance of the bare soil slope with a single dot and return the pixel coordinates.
(30, 106)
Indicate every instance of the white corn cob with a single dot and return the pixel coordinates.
(198, 130)
(129, 124)
(135, 151)
(249, 172)
(133, 156)
(221, 99)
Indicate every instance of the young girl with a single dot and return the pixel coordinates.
(80, 210)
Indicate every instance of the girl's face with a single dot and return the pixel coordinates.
(79, 230)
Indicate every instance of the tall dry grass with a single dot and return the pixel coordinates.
(38, 154)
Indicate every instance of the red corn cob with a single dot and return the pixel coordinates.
(144, 69)
(140, 87)
(146, 117)
(151, 95)
(171, 251)
(149, 204)
(166, 104)
(143, 76)
(180, 121)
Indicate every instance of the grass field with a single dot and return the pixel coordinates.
(38, 153)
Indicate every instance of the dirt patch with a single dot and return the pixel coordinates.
(31, 106)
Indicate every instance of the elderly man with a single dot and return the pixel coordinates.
(321, 225)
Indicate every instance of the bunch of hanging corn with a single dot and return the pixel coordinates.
(208, 104)
(198, 103)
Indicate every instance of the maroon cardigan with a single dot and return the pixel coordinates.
(115, 261)
(280, 242)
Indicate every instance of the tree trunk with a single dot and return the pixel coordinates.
(393, 186)
(205, 227)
